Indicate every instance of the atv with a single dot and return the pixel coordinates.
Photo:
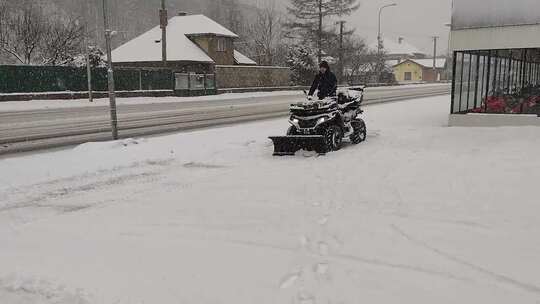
(323, 125)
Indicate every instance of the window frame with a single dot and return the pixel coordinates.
(221, 44)
(405, 76)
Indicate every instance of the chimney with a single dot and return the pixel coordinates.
(400, 40)
(182, 14)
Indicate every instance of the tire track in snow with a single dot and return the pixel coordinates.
(493, 275)
(55, 197)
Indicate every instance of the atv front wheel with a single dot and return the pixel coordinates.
(360, 132)
(333, 138)
(292, 131)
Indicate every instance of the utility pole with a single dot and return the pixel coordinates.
(163, 22)
(435, 78)
(435, 51)
(88, 65)
(88, 70)
(319, 38)
(341, 30)
(110, 72)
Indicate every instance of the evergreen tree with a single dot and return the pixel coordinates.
(308, 18)
(301, 60)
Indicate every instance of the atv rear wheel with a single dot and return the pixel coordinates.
(360, 131)
(333, 138)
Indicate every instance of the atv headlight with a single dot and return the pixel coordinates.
(321, 120)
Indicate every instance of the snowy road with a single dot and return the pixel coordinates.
(44, 124)
(420, 213)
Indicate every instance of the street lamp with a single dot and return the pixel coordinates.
(379, 37)
(449, 25)
(380, 60)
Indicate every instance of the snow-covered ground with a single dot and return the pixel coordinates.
(32, 105)
(420, 213)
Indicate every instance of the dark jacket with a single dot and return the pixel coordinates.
(326, 84)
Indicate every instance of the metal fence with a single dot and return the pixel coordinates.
(34, 79)
(496, 81)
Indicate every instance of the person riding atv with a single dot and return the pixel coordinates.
(325, 82)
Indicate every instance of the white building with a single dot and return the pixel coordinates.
(496, 70)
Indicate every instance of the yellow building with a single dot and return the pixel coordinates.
(408, 71)
(420, 70)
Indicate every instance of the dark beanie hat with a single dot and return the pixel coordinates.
(325, 65)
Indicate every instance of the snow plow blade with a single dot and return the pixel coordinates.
(289, 145)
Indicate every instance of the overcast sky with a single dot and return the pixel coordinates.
(415, 20)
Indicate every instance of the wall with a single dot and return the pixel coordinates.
(209, 45)
(429, 75)
(415, 69)
(495, 24)
(177, 66)
(251, 76)
(493, 120)
(492, 13)
(492, 38)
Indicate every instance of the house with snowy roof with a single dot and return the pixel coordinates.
(398, 49)
(194, 43)
(420, 70)
(201, 54)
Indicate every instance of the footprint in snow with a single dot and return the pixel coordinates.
(196, 165)
(304, 298)
(321, 268)
(250, 142)
(323, 249)
(289, 280)
(304, 241)
(323, 221)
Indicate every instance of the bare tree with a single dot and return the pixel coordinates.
(266, 33)
(22, 30)
(62, 41)
(3, 25)
(31, 36)
(358, 57)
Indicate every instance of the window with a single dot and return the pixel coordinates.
(221, 45)
(408, 76)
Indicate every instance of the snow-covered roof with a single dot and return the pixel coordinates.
(392, 63)
(240, 58)
(394, 47)
(440, 63)
(147, 47)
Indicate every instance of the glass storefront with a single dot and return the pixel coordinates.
(496, 81)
